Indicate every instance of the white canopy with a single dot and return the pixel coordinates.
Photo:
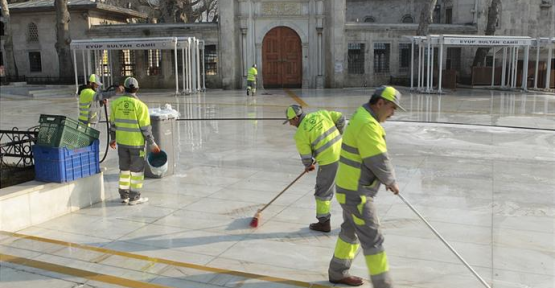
(513, 43)
(539, 43)
(190, 47)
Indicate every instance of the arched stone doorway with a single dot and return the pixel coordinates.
(282, 65)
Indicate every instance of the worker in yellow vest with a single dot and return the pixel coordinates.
(318, 140)
(91, 98)
(364, 165)
(251, 80)
(130, 130)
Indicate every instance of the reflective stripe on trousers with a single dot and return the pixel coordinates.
(124, 180)
(324, 189)
(132, 166)
(360, 224)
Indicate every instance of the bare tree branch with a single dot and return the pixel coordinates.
(493, 16)
(63, 39)
(426, 18)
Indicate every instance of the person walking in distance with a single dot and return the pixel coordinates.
(251, 80)
(318, 140)
(364, 166)
(91, 98)
(130, 130)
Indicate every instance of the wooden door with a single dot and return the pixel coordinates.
(282, 59)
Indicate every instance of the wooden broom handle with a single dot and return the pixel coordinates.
(283, 191)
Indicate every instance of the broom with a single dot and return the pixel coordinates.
(256, 218)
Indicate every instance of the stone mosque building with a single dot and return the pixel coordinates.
(295, 43)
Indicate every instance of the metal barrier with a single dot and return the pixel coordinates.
(16, 156)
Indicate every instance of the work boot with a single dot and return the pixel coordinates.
(321, 226)
(124, 195)
(351, 281)
(140, 200)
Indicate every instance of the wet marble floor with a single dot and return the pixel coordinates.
(478, 164)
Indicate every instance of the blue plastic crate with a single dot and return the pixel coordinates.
(63, 164)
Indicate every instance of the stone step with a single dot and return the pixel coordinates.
(48, 93)
(34, 202)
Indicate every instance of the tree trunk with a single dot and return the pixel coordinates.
(493, 14)
(169, 11)
(63, 39)
(8, 42)
(426, 18)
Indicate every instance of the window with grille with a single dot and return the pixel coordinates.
(437, 14)
(355, 56)
(404, 57)
(211, 59)
(449, 16)
(453, 59)
(369, 19)
(154, 60)
(35, 64)
(33, 33)
(407, 19)
(127, 62)
(381, 57)
(103, 63)
(179, 62)
(435, 56)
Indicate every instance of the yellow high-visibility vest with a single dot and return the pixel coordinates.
(129, 117)
(85, 100)
(318, 137)
(251, 75)
(363, 138)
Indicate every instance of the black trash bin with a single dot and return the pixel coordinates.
(164, 130)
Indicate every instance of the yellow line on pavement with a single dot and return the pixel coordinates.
(169, 262)
(77, 272)
(296, 98)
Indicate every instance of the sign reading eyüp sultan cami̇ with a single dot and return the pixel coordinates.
(471, 41)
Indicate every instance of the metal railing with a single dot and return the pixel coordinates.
(16, 156)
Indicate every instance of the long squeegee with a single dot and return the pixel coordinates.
(444, 241)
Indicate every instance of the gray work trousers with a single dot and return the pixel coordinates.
(131, 166)
(360, 225)
(324, 190)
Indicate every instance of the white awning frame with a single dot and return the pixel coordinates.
(190, 47)
(510, 44)
(548, 43)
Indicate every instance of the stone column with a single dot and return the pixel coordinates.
(244, 52)
(140, 64)
(320, 49)
(230, 67)
(336, 33)
(116, 66)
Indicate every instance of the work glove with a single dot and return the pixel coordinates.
(113, 144)
(154, 148)
(309, 168)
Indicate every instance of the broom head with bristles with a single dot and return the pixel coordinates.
(254, 221)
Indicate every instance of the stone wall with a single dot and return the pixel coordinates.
(392, 34)
(393, 11)
(47, 40)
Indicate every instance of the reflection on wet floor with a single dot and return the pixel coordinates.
(486, 185)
